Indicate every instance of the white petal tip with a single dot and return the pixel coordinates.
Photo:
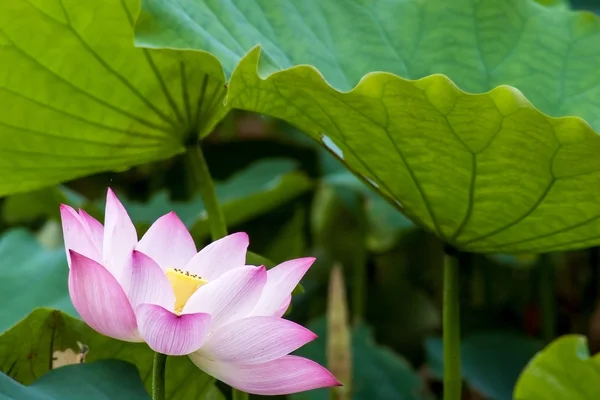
(66, 210)
(307, 261)
(241, 236)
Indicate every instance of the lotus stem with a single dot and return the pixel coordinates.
(238, 395)
(451, 312)
(216, 219)
(158, 376)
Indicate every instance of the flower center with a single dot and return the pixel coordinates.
(184, 285)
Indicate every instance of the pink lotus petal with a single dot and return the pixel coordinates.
(169, 333)
(120, 236)
(220, 256)
(76, 236)
(95, 229)
(281, 281)
(168, 242)
(100, 300)
(231, 296)
(255, 340)
(288, 374)
(148, 283)
(286, 304)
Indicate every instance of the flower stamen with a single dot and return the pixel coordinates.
(184, 285)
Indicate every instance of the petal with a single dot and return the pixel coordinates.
(100, 300)
(284, 307)
(168, 242)
(148, 283)
(231, 296)
(256, 340)
(95, 228)
(281, 281)
(220, 256)
(169, 333)
(288, 374)
(119, 236)
(76, 236)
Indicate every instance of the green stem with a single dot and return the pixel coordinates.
(546, 295)
(452, 375)
(158, 376)
(239, 395)
(218, 226)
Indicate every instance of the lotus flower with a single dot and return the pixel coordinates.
(209, 305)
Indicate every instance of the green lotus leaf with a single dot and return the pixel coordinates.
(47, 339)
(487, 172)
(76, 97)
(563, 370)
(101, 380)
(31, 276)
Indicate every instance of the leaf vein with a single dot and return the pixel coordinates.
(112, 71)
(527, 213)
(163, 86)
(409, 169)
(185, 93)
(471, 204)
(77, 139)
(86, 93)
(82, 119)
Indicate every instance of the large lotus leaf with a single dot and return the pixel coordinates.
(30, 276)
(76, 97)
(563, 370)
(101, 380)
(48, 338)
(487, 172)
